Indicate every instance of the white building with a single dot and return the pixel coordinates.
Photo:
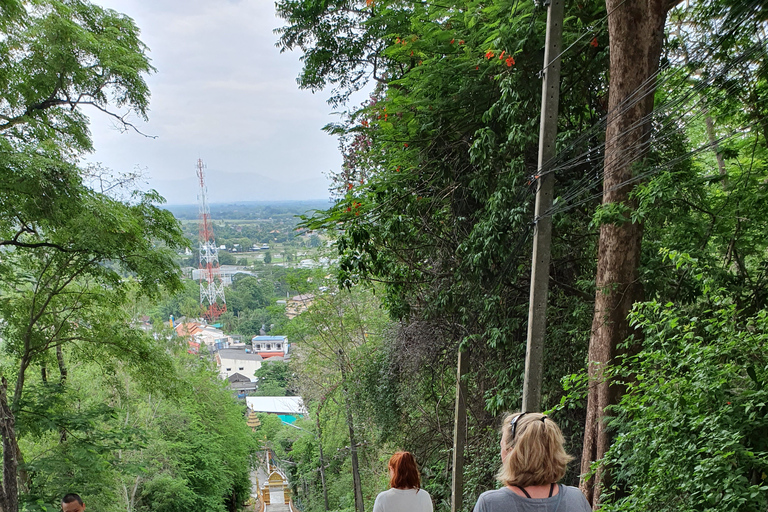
(225, 272)
(231, 361)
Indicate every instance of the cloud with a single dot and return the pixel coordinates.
(224, 93)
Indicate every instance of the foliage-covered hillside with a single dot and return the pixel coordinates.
(90, 403)
(660, 187)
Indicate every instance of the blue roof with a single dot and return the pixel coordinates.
(269, 338)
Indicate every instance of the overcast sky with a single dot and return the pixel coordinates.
(223, 93)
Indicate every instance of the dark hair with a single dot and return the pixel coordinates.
(69, 498)
(405, 473)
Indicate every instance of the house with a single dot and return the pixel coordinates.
(243, 361)
(298, 304)
(270, 346)
(307, 263)
(241, 384)
(202, 334)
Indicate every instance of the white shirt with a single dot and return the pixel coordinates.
(403, 500)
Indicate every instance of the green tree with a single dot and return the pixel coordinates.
(697, 184)
(74, 303)
(433, 201)
(73, 250)
(249, 293)
(227, 258)
(274, 379)
(139, 443)
(58, 58)
(333, 338)
(708, 416)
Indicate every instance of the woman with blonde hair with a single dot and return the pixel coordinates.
(532, 461)
(406, 494)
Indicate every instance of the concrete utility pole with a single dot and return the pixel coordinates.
(459, 433)
(542, 241)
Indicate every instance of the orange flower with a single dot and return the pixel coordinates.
(461, 41)
(452, 40)
(510, 61)
(411, 53)
(349, 208)
(405, 144)
(398, 168)
(489, 55)
(362, 181)
(477, 67)
(349, 186)
(501, 57)
(357, 213)
(594, 42)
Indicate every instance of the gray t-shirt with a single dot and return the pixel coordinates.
(568, 499)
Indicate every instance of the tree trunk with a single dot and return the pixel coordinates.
(9, 501)
(636, 31)
(356, 483)
(710, 125)
(62, 380)
(322, 459)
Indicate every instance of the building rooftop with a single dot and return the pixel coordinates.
(276, 404)
(303, 298)
(269, 338)
(242, 355)
(237, 377)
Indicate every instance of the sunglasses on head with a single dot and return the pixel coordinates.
(513, 424)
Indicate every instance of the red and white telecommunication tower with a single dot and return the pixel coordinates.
(211, 286)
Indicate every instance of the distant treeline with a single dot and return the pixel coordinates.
(249, 210)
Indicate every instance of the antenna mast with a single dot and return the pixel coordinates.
(211, 286)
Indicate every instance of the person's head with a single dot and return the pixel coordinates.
(532, 450)
(72, 503)
(403, 472)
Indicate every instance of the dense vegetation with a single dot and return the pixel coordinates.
(89, 402)
(433, 217)
(240, 227)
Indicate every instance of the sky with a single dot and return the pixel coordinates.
(225, 94)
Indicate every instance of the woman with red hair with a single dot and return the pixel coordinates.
(406, 494)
